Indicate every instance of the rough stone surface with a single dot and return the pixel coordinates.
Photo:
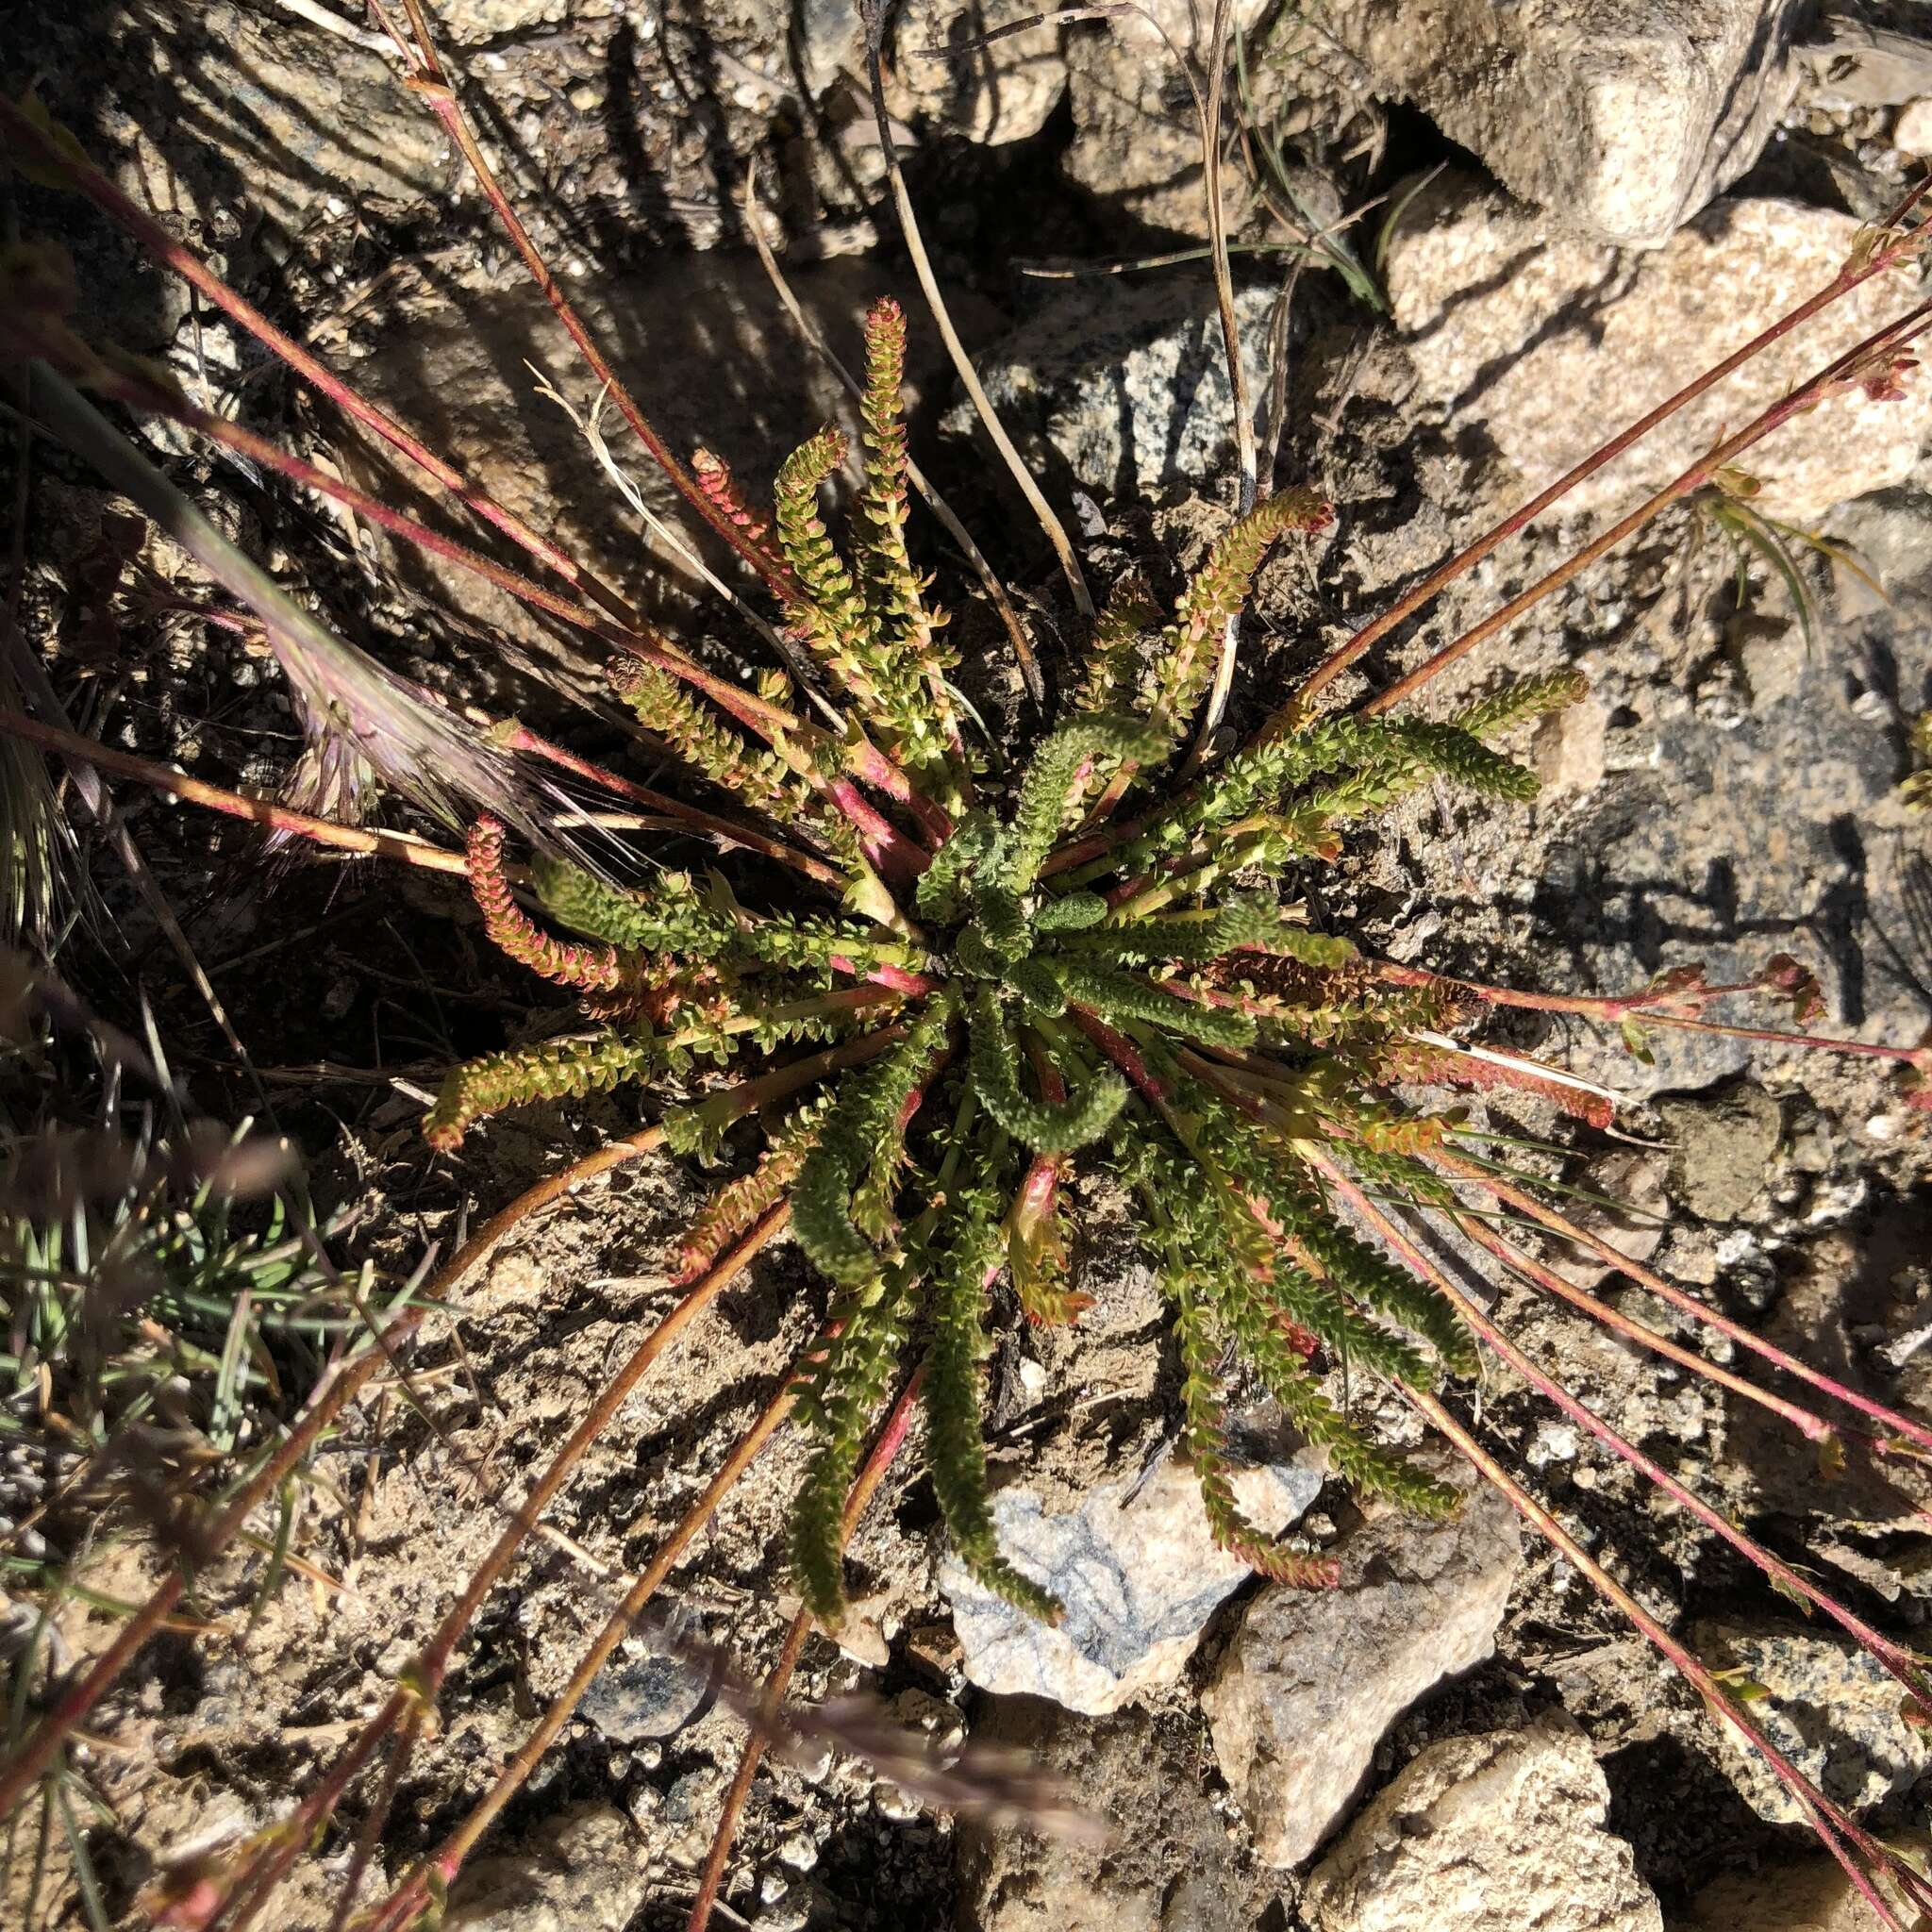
(1628, 1211)
(1311, 1679)
(580, 1874)
(996, 94)
(1492, 1833)
(1123, 391)
(1811, 1896)
(1169, 1867)
(1723, 1146)
(651, 1695)
(1568, 749)
(1511, 334)
(1911, 133)
(1136, 139)
(1138, 1569)
(1620, 117)
(1832, 1710)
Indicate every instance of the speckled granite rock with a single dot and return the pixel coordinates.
(1512, 332)
(1123, 388)
(1493, 1833)
(1138, 1569)
(1832, 1710)
(1311, 1679)
(1619, 117)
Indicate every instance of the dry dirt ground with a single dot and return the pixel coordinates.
(1737, 798)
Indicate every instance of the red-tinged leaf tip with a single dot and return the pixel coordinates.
(1798, 984)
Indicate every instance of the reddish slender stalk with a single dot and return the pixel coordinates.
(425, 1675)
(1894, 1658)
(1678, 1298)
(238, 805)
(334, 1395)
(1886, 341)
(88, 180)
(1847, 278)
(725, 830)
(432, 83)
(447, 1859)
(1655, 1007)
(890, 1440)
(1828, 1820)
(1812, 1427)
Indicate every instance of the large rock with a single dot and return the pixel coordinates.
(1512, 333)
(1123, 391)
(1169, 1866)
(1136, 1567)
(1831, 1709)
(581, 1871)
(1620, 117)
(1812, 1896)
(1494, 1833)
(1137, 139)
(995, 93)
(1313, 1678)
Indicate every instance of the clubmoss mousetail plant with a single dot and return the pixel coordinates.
(1080, 961)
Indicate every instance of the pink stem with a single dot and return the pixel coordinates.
(1122, 1052)
(238, 805)
(1685, 1302)
(88, 180)
(1828, 1819)
(1888, 341)
(1895, 1660)
(1841, 284)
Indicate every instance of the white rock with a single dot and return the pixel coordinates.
(1136, 1566)
(1003, 92)
(1313, 1678)
(1517, 336)
(1832, 1710)
(580, 1871)
(1494, 1833)
(1622, 118)
(1568, 749)
(1911, 133)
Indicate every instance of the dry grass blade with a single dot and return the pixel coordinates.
(872, 13)
(989, 578)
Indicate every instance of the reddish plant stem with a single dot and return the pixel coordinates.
(718, 825)
(1895, 1660)
(447, 1859)
(890, 1440)
(885, 844)
(1680, 1299)
(1814, 1428)
(1888, 340)
(1122, 1052)
(40, 1746)
(427, 1673)
(1654, 1007)
(89, 181)
(432, 83)
(1829, 1821)
(1841, 284)
(238, 805)
(318, 1806)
